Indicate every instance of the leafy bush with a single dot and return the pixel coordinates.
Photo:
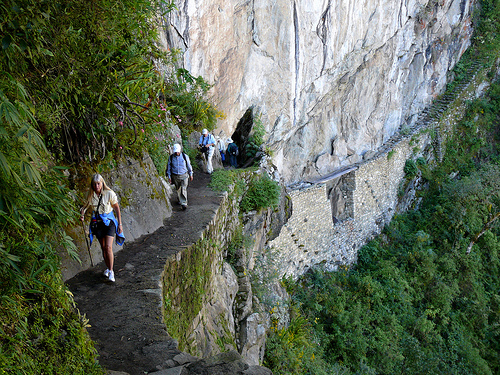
(294, 350)
(410, 168)
(256, 139)
(262, 193)
(421, 162)
(222, 179)
(238, 242)
(40, 332)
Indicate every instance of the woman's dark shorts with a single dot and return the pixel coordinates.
(104, 230)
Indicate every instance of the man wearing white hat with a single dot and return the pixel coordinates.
(232, 151)
(207, 147)
(179, 171)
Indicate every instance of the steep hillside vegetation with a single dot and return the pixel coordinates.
(424, 296)
(79, 89)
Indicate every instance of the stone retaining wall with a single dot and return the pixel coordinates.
(370, 197)
(200, 289)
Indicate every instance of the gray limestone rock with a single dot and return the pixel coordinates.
(319, 71)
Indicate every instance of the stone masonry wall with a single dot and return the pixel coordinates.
(190, 278)
(311, 237)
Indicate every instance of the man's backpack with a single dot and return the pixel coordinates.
(170, 159)
(232, 149)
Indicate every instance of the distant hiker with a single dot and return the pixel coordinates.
(222, 149)
(103, 224)
(233, 152)
(207, 147)
(179, 170)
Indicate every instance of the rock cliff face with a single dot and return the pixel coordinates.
(331, 80)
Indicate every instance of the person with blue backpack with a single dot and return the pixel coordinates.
(233, 152)
(179, 171)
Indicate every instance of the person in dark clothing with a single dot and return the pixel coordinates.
(232, 151)
(179, 172)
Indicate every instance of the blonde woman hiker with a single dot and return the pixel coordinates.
(103, 223)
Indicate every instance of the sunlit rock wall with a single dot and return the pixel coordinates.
(331, 79)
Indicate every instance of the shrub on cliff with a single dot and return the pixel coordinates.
(262, 193)
(294, 349)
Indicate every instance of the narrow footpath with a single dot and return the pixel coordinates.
(125, 316)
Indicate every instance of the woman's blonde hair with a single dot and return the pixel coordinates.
(95, 178)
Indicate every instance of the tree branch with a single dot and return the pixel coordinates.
(485, 228)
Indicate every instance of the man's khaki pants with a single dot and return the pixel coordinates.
(181, 184)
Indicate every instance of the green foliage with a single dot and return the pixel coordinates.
(34, 203)
(415, 302)
(42, 334)
(421, 162)
(294, 349)
(90, 73)
(488, 28)
(262, 193)
(256, 139)
(410, 168)
(222, 179)
(238, 243)
(418, 301)
(185, 94)
(190, 275)
(158, 152)
(485, 46)
(20, 143)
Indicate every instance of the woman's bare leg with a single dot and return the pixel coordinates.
(107, 251)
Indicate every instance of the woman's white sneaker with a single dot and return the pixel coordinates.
(106, 273)
(111, 276)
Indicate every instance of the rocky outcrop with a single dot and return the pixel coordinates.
(331, 80)
(210, 304)
(229, 363)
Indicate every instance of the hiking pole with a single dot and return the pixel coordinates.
(88, 245)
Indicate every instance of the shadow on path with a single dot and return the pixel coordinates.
(125, 316)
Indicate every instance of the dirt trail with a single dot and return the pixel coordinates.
(125, 316)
